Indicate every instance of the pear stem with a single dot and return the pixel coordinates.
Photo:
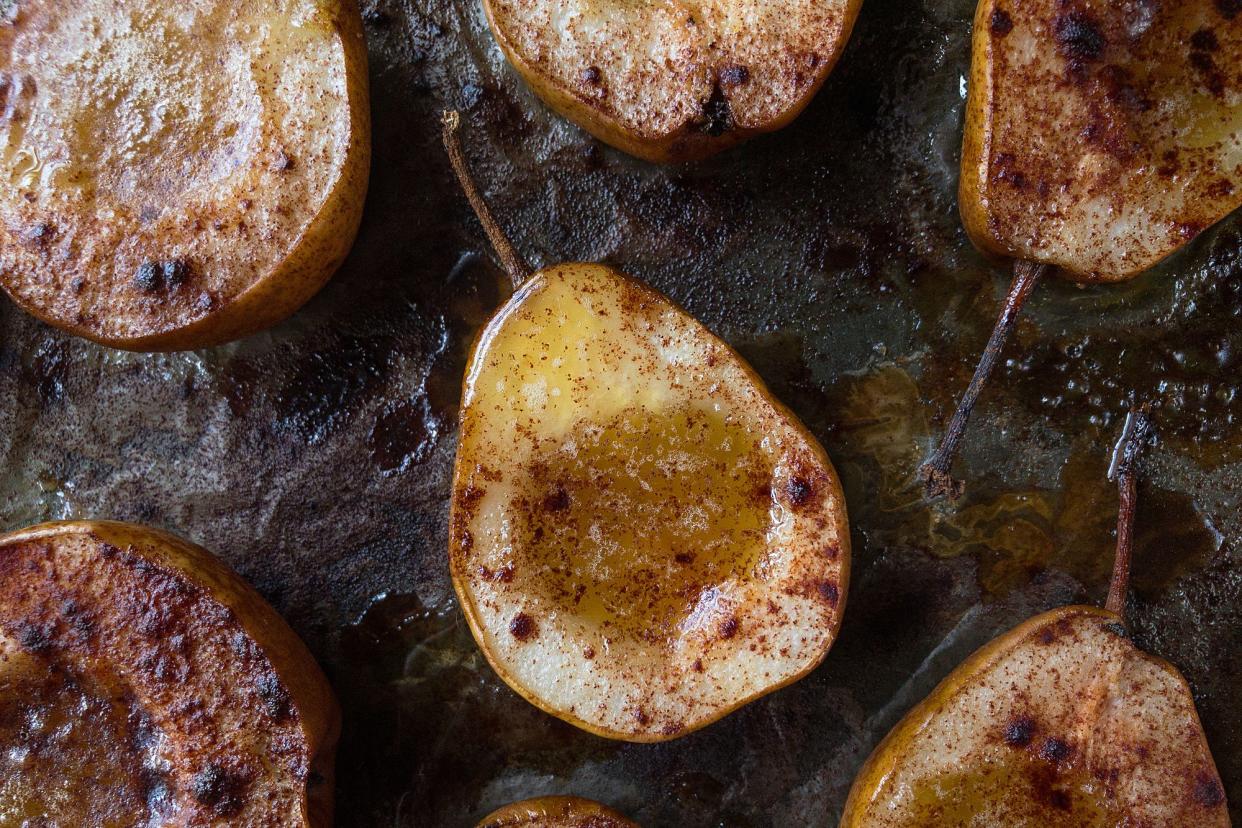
(517, 268)
(1134, 437)
(935, 473)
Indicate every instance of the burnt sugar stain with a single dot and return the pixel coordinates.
(1079, 37)
(523, 627)
(1054, 750)
(799, 491)
(1019, 732)
(1000, 24)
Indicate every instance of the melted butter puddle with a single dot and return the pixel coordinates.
(646, 524)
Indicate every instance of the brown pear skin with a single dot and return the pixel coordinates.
(1101, 137)
(177, 175)
(672, 81)
(181, 696)
(556, 812)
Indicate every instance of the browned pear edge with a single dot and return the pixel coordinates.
(318, 711)
(977, 138)
(456, 521)
(883, 759)
(686, 144)
(314, 256)
(535, 813)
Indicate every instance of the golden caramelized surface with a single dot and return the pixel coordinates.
(161, 160)
(674, 79)
(641, 537)
(1061, 722)
(1101, 136)
(142, 683)
(556, 812)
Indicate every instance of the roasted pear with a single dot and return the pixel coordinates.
(642, 539)
(556, 812)
(1062, 721)
(1100, 138)
(670, 80)
(143, 683)
(178, 174)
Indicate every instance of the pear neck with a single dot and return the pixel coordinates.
(1124, 470)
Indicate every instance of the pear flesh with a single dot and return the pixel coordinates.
(141, 682)
(174, 175)
(1100, 136)
(675, 79)
(1062, 721)
(641, 538)
(556, 812)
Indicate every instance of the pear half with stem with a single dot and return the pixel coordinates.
(674, 80)
(642, 539)
(1100, 138)
(556, 812)
(175, 175)
(143, 683)
(1061, 722)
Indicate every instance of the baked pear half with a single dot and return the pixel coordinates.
(674, 80)
(177, 175)
(1101, 136)
(642, 539)
(143, 683)
(556, 812)
(1060, 722)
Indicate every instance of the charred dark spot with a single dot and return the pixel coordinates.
(1117, 629)
(1211, 76)
(36, 639)
(829, 592)
(149, 277)
(697, 666)
(467, 541)
(1019, 732)
(557, 501)
(641, 716)
(591, 76)
(283, 163)
(588, 653)
(717, 114)
(734, 75)
(1079, 37)
(275, 697)
(1001, 23)
(1229, 9)
(729, 627)
(1047, 635)
(1054, 750)
(176, 273)
(522, 627)
(684, 558)
(799, 491)
(1208, 792)
(107, 550)
(1204, 40)
(219, 790)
